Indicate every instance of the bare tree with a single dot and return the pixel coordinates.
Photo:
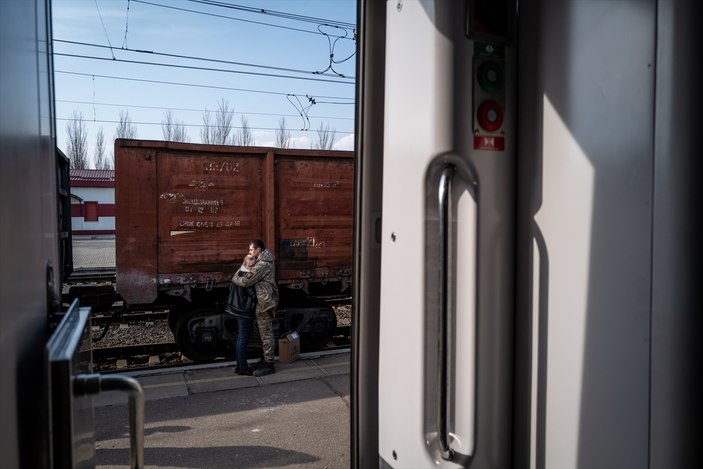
(217, 128)
(77, 142)
(173, 129)
(101, 160)
(282, 135)
(243, 137)
(325, 137)
(206, 130)
(125, 128)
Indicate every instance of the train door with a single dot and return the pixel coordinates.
(445, 218)
(522, 292)
(30, 271)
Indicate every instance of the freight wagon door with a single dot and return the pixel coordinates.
(210, 206)
(314, 196)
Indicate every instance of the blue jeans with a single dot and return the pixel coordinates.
(243, 329)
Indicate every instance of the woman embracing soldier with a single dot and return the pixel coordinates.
(262, 275)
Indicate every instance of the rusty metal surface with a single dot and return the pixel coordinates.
(185, 214)
(135, 235)
(209, 208)
(314, 214)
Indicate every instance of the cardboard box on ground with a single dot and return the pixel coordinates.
(289, 347)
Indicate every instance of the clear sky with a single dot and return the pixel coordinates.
(264, 65)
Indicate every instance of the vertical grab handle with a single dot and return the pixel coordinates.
(444, 358)
(451, 255)
(96, 383)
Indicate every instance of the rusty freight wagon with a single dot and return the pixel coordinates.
(185, 214)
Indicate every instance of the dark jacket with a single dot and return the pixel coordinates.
(263, 277)
(242, 300)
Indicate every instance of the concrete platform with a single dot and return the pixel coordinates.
(208, 417)
(91, 253)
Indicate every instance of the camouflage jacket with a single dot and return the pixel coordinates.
(263, 277)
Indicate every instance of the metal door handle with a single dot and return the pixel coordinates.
(96, 383)
(449, 175)
(444, 364)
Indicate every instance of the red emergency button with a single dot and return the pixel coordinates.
(490, 116)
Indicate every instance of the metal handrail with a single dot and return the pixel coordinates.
(444, 365)
(88, 384)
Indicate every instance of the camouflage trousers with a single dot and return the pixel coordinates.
(264, 320)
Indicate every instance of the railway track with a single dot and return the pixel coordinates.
(120, 317)
(145, 356)
(156, 356)
(137, 339)
(125, 352)
(92, 275)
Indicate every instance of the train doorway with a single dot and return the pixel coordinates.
(519, 230)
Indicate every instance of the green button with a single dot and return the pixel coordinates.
(490, 76)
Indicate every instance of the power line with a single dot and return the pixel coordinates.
(197, 85)
(280, 14)
(193, 67)
(107, 36)
(170, 7)
(332, 61)
(340, 31)
(190, 57)
(126, 28)
(104, 121)
(161, 108)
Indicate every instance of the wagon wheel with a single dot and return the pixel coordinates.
(175, 313)
(196, 335)
(320, 329)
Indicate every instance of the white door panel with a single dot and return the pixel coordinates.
(412, 137)
(425, 412)
(558, 328)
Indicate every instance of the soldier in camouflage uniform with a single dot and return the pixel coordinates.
(263, 276)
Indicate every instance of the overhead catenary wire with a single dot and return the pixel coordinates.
(331, 45)
(193, 67)
(321, 23)
(187, 62)
(169, 108)
(107, 36)
(107, 121)
(197, 85)
(280, 14)
(171, 7)
(191, 57)
(302, 110)
(126, 27)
